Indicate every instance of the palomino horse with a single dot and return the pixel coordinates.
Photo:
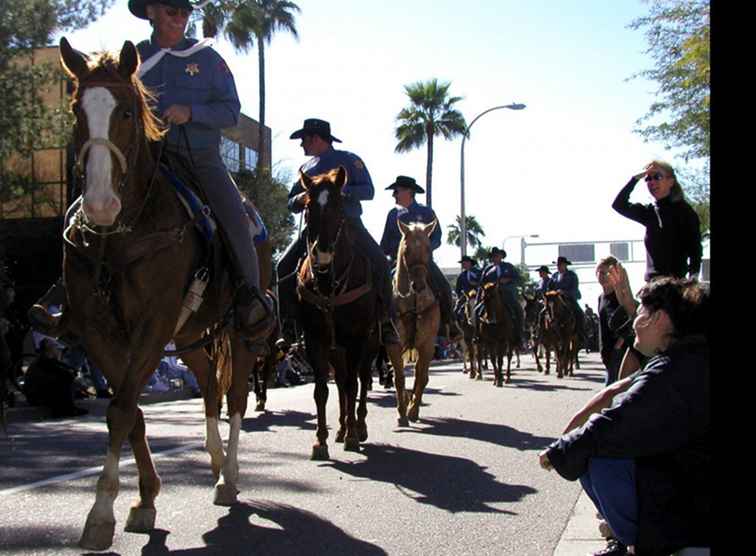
(418, 314)
(561, 320)
(339, 309)
(495, 332)
(129, 254)
(467, 325)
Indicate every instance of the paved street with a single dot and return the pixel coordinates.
(464, 480)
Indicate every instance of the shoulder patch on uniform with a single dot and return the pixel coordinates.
(223, 66)
(358, 164)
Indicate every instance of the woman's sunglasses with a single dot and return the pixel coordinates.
(655, 177)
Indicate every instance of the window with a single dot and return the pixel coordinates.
(229, 152)
(620, 251)
(250, 158)
(578, 253)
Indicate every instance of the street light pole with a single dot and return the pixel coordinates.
(463, 222)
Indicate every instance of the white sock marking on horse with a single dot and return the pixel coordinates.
(231, 465)
(98, 104)
(103, 506)
(213, 442)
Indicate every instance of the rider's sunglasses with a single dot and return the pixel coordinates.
(656, 177)
(170, 11)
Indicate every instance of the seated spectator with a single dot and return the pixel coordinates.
(50, 383)
(640, 447)
(171, 368)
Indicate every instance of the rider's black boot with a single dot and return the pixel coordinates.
(39, 315)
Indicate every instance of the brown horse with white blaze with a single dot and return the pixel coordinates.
(130, 252)
(418, 314)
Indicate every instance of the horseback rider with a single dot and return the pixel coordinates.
(545, 280)
(197, 97)
(408, 210)
(566, 282)
(507, 277)
(468, 279)
(317, 142)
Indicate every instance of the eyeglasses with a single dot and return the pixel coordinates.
(656, 177)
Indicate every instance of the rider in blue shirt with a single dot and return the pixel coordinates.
(408, 210)
(507, 277)
(567, 282)
(317, 142)
(468, 279)
(545, 279)
(196, 96)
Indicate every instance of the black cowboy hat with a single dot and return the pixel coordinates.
(496, 250)
(466, 258)
(564, 260)
(406, 183)
(542, 268)
(313, 126)
(139, 7)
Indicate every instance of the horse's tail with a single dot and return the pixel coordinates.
(223, 363)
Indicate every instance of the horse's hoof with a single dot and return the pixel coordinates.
(140, 520)
(320, 453)
(499, 384)
(414, 414)
(97, 535)
(260, 406)
(351, 445)
(402, 422)
(340, 435)
(225, 495)
(479, 377)
(362, 433)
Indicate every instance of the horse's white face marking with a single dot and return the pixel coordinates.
(101, 204)
(323, 198)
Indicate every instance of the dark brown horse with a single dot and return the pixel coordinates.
(418, 314)
(338, 305)
(469, 345)
(130, 253)
(495, 332)
(560, 318)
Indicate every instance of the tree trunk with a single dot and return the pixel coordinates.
(261, 122)
(429, 168)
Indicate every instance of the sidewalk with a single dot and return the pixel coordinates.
(581, 536)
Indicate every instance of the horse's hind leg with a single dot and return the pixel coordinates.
(142, 514)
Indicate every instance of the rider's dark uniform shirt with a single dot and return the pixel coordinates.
(567, 282)
(202, 81)
(544, 285)
(493, 273)
(359, 185)
(413, 213)
(467, 280)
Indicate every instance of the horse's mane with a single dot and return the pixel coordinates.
(104, 67)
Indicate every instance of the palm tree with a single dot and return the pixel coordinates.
(251, 21)
(473, 230)
(431, 113)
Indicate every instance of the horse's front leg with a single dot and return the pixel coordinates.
(366, 377)
(318, 359)
(142, 514)
(352, 441)
(339, 375)
(425, 355)
(121, 418)
(394, 352)
(507, 378)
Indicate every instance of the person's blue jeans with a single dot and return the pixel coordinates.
(77, 358)
(610, 484)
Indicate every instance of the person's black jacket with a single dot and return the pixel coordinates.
(673, 234)
(663, 422)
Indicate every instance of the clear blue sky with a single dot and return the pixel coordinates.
(552, 169)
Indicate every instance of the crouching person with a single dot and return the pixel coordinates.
(640, 447)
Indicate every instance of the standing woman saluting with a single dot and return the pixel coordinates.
(673, 234)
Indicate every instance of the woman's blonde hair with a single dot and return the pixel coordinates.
(607, 261)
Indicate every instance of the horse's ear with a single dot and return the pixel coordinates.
(403, 228)
(128, 60)
(73, 61)
(341, 177)
(430, 227)
(305, 180)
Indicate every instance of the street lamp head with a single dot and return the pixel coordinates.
(516, 106)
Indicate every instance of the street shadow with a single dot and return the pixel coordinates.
(26, 540)
(446, 482)
(290, 531)
(262, 422)
(501, 435)
(387, 398)
(539, 386)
